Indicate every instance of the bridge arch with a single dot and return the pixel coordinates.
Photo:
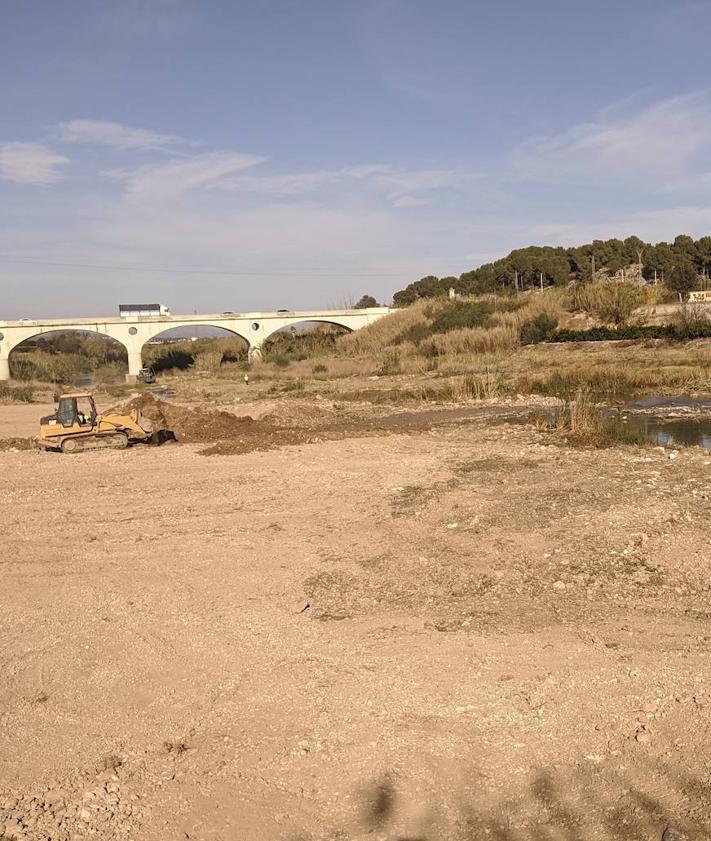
(297, 322)
(59, 344)
(141, 332)
(181, 354)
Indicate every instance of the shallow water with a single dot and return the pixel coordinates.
(668, 432)
(668, 421)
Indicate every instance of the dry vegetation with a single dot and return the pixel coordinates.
(435, 350)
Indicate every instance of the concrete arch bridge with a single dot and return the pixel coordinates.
(134, 331)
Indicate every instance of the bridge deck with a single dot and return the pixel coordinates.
(304, 315)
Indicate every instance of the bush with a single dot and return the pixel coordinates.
(608, 300)
(691, 322)
(687, 326)
(389, 364)
(208, 361)
(580, 422)
(281, 360)
(538, 329)
(462, 315)
(320, 368)
(16, 394)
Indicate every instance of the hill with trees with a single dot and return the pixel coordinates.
(678, 265)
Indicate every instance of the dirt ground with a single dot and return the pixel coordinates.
(445, 630)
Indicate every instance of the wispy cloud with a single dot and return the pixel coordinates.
(409, 201)
(401, 188)
(118, 136)
(666, 143)
(157, 183)
(30, 163)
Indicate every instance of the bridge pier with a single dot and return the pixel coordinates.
(4, 369)
(254, 353)
(135, 363)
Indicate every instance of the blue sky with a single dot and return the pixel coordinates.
(239, 156)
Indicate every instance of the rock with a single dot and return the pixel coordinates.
(55, 795)
(85, 815)
(14, 830)
(673, 454)
(643, 736)
(673, 834)
(559, 585)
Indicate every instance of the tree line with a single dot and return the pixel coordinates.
(678, 265)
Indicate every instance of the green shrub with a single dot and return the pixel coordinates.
(538, 329)
(686, 327)
(320, 368)
(281, 360)
(415, 334)
(461, 315)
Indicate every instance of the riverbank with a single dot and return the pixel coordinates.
(436, 631)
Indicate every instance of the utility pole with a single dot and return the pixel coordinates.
(541, 281)
(592, 260)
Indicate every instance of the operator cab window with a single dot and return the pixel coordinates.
(86, 412)
(67, 411)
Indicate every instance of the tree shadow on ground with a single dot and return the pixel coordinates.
(649, 802)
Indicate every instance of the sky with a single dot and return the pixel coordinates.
(221, 155)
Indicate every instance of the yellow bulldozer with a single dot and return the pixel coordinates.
(77, 426)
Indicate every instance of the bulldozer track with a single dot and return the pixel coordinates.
(113, 441)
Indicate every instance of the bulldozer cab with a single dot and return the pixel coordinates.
(76, 410)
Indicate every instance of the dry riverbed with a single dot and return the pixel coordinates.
(424, 630)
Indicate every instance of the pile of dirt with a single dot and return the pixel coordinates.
(190, 426)
(13, 444)
(291, 413)
(227, 433)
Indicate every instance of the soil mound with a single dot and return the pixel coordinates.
(290, 413)
(190, 426)
(12, 444)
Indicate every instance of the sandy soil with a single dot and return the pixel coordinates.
(461, 632)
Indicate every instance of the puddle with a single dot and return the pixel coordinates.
(669, 421)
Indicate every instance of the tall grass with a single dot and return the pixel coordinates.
(615, 380)
(609, 301)
(208, 361)
(475, 340)
(16, 393)
(461, 389)
(439, 327)
(390, 330)
(581, 422)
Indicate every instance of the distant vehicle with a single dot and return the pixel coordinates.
(26, 320)
(143, 310)
(283, 310)
(229, 312)
(84, 382)
(146, 375)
